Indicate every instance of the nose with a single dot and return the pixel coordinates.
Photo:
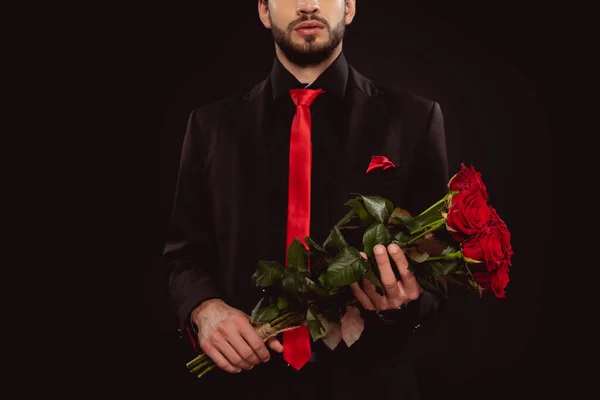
(307, 7)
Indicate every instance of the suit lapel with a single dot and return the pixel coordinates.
(367, 126)
(252, 126)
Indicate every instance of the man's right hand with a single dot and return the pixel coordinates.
(227, 337)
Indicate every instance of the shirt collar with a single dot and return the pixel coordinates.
(332, 80)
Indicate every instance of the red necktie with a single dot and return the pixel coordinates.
(296, 343)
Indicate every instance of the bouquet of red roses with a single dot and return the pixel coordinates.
(484, 238)
(460, 239)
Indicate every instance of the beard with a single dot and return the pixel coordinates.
(309, 52)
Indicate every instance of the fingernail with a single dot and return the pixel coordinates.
(378, 250)
(252, 366)
(238, 371)
(267, 360)
(393, 248)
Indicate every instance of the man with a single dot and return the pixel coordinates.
(238, 179)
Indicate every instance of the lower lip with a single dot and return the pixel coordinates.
(308, 31)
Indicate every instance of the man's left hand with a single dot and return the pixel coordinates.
(396, 292)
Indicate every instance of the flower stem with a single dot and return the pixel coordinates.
(203, 364)
(469, 270)
(283, 322)
(198, 360)
(282, 319)
(200, 366)
(449, 256)
(433, 228)
(433, 206)
(437, 221)
(206, 370)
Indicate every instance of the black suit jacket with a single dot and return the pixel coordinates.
(217, 231)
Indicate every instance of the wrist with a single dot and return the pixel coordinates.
(194, 315)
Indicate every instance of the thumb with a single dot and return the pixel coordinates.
(275, 345)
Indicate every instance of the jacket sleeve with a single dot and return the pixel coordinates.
(190, 252)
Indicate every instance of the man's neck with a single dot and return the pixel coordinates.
(307, 74)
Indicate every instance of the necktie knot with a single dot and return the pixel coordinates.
(304, 97)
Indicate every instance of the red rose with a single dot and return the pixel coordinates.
(491, 246)
(467, 178)
(496, 280)
(468, 214)
(503, 228)
(489, 254)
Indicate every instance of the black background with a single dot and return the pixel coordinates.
(502, 73)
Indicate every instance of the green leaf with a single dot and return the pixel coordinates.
(292, 281)
(267, 273)
(377, 207)
(347, 267)
(346, 218)
(318, 265)
(335, 240)
(410, 223)
(375, 234)
(389, 205)
(266, 314)
(315, 287)
(444, 267)
(429, 217)
(333, 336)
(396, 221)
(317, 330)
(352, 325)
(323, 280)
(402, 236)
(296, 256)
(402, 245)
(257, 307)
(282, 303)
(397, 215)
(450, 249)
(314, 247)
(365, 218)
(370, 275)
(416, 255)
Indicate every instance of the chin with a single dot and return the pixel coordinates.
(311, 40)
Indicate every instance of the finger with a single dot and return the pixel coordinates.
(410, 285)
(259, 350)
(231, 354)
(214, 354)
(398, 256)
(244, 350)
(362, 297)
(380, 302)
(275, 345)
(401, 299)
(388, 278)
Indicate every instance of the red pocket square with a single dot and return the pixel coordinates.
(379, 162)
